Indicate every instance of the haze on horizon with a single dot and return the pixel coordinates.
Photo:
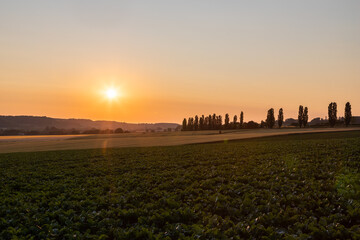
(175, 59)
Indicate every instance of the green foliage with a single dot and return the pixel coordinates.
(290, 187)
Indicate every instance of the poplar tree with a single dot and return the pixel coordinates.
(196, 123)
(270, 119)
(214, 121)
(184, 128)
(280, 117)
(201, 122)
(241, 119)
(235, 121)
(227, 120)
(305, 118)
(332, 112)
(300, 115)
(347, 116)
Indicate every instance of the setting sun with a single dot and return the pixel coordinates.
(111, 93)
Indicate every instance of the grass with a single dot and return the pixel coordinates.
(291, 187)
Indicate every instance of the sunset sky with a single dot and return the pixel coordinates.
(174, 59)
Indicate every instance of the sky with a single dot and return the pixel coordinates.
(174, 59)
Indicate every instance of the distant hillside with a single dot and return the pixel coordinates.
(31, 123)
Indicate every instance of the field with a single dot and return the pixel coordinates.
(66, 142)
(291, 187)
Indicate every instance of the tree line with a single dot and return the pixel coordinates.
(58, 131)
(212, 122)
(215, 122)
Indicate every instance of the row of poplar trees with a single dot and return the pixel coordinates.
(270, 118)
(332, 114)
(303, 116)
(212, 122)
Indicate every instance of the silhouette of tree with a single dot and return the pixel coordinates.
(210, 122)
(300, 115)
(241, 120)
(270, 119)
(219, 122)
(280, 117)
(305, 117)
(190, 124)
(196, 123)
(119, 130)
(251, 124)
(227, 120)
(184, 127)
(332, 112)
(347, 115)
(201, 122)
(214, 121)
(235, 122)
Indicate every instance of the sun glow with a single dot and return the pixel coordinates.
(111, 93)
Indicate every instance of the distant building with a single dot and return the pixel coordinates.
(290, 122)
(355, 120)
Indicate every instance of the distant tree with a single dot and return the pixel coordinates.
(92, 131)
(220, 122)
(263, 124)
(241, 120)
(196, 123)
(119, 130)
(106, 131)
(206, 123)
(270, 119)
(235, 122)
(332, 112)
(347, 115)
(214, 121)
(227, 120)
(280, 117)
(190, 124)
(305, 117)
(300, 115)
(184, 126)
(210, 122)
(251, 125)
(201, 122)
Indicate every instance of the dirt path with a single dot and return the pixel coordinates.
(48, 143)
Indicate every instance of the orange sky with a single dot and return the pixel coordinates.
(175, 60)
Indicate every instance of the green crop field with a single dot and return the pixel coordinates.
(291, 187)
